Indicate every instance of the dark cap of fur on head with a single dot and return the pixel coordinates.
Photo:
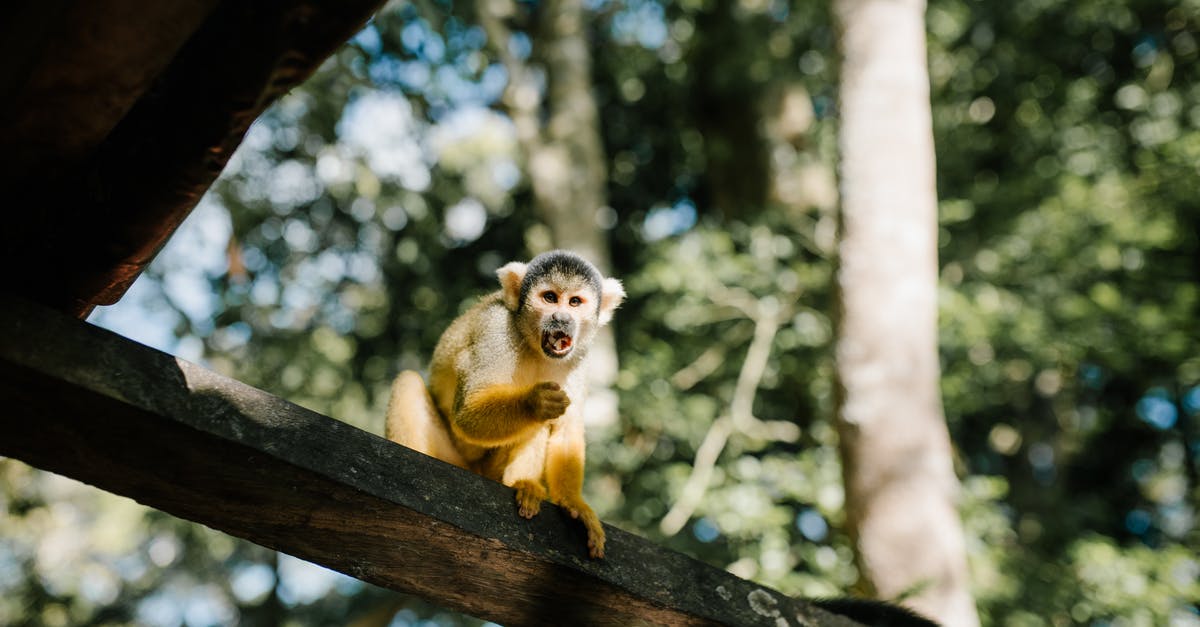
(559, 262)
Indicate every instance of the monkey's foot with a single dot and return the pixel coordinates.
(530, 495)
(581, 511)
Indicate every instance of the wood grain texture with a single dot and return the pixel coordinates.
(91, 405)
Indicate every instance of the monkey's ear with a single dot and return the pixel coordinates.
(612, 294)
(511, 274)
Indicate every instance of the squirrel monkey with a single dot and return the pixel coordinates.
(507, 385)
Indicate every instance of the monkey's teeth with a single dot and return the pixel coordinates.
(558, 341)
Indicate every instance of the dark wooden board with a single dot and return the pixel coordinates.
(118, 116)
(88, 404)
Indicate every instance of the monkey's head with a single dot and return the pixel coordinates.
(559, 300)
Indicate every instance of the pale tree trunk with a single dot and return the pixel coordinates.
(565, 154)
(568, 166)
(569, 172)
(901, 491)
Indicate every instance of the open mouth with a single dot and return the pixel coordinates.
(556, 344)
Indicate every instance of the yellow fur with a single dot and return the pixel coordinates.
(499, 403)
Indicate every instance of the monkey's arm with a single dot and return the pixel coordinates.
(502, 414)
(564, 476)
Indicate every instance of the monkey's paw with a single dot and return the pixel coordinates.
(547, 400)
(581, 511)
(530, 495)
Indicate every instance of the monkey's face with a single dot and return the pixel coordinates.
(559, 302)
(563, 313)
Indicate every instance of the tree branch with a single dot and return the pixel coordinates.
(767, 318)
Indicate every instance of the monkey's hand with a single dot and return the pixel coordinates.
(546, 401)
(530, 495)
(580, 510)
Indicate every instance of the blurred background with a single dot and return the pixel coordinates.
(371, 205)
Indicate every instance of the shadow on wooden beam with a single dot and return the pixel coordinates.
(118, 116)
(91, 405)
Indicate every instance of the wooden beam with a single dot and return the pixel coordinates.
(89, 404)
(124, 115)
(76, 68)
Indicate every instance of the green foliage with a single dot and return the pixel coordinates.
(686, 332)
(1070, 297)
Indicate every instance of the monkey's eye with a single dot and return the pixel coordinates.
(575, 301)
(550, 297)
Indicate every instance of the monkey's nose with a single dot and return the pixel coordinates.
(560, 317)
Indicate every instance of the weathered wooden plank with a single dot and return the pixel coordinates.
(77, 68)
(129, 120)
(89, 404)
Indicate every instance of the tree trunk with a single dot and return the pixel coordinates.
(565, 155)
(901, 490)
(569, 171)
(568, 167)
(727, 107)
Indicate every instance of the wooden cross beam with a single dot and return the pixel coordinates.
(86, 403)
(117, 116)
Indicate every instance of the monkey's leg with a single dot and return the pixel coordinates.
(524, 471)
(564, 475)
(413, 421)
